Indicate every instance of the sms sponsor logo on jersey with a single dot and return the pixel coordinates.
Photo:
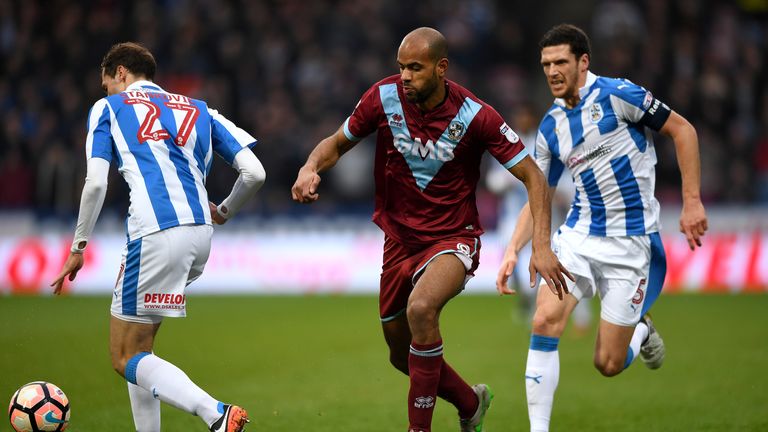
(439, 150)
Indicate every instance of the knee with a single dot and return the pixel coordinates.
(421, 313)
(609, 366)
(546, 323)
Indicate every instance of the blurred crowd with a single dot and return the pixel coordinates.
(290, 71)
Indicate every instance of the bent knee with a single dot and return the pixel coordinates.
(545, 323)
(609, 367)
(421, 311)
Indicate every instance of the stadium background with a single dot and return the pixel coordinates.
(290, 72)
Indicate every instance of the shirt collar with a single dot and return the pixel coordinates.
(584, 91)
(137, 85)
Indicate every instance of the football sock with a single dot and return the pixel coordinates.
(424, 364)
(145, 408)
(456, 391)
(172, 386)
(638, 337)
(542, 372)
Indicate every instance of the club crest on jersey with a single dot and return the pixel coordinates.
(595, 113)
(509, 133)
(456, 130)
(396, 120)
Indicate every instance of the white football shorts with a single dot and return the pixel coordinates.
(155, 270)
(626, 272)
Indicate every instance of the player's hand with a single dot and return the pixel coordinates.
(216, 217)
(508, 264)
(693, 222)
(545, 263)
(304, 190)
(73, 265)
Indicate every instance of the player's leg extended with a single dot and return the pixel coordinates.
(165, 259)
(440, 281)
(542, 369)
(131, 348)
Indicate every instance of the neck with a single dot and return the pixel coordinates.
(573, 99)
(436, 98)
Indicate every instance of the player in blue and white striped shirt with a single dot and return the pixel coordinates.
(598, 130)
(163, 144)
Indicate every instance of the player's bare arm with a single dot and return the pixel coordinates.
(324, 156)
(543, 260)
(520, 237)
(693, 218)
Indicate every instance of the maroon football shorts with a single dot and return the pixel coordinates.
(404, 265)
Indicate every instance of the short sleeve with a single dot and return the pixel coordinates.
(98, 141)
(637, 105)
(364, 118)
(500, 140)
(226, 138)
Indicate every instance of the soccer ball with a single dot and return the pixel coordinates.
(39, 407)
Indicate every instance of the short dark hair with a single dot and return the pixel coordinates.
(131, 55)
(567, 34)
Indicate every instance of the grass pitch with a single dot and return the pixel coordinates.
(320, 364)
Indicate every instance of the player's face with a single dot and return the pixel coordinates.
(112, 85)
(419, 73)
(565, 73)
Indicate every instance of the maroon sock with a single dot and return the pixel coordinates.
(456, 391)
(424, 364)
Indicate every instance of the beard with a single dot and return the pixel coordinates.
(419, 96)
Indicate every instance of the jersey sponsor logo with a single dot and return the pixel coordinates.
(424, 402)
(396, 120)
(164, 301)
(595, 113)
(456, 130)
(509, 133)
(639, 294)
(588, 155)
(462, 248)
(440, 150)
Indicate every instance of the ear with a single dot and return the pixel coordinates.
(120, 73)
(584, 63)
(442, 67)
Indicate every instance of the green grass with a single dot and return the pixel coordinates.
(320, 364)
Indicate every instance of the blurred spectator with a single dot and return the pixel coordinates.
(285, 69)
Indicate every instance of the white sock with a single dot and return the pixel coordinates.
(542, 372)
(145, 408)
(638, 337)
(172, 386)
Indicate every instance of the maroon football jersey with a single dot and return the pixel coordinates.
(428, 163)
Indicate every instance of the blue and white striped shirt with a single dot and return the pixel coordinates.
(604, 143)
(164, 145)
